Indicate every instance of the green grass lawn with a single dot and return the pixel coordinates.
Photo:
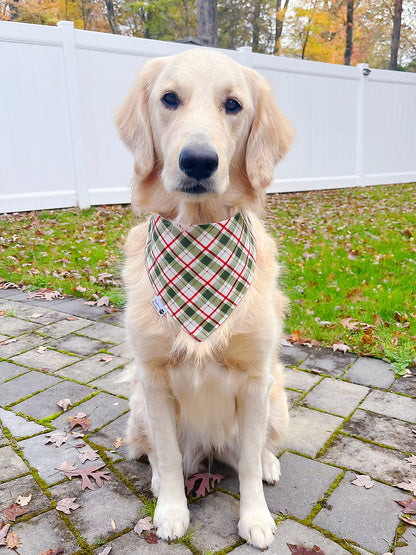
(348, 262)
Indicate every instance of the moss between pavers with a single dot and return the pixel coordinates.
(318, 506)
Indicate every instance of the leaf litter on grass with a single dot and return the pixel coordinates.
(347, 255)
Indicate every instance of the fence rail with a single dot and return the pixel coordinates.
(60, 86)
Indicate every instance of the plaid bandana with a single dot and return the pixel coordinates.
(200, 272)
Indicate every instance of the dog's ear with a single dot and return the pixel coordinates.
(132, 119)
(270, 135)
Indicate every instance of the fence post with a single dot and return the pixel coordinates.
(361, 102)
(245, 58)
(74, 112)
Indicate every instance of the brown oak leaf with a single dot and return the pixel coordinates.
(299, 550)
(81, 419)
(12, 540)
(13, 511)
(67, 504)
(53, 551)
(92, 471)
(106, 358)
(408, 507)
(205, 486)
(362, 480)
(57, 437)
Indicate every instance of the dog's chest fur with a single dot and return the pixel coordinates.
(206, 408)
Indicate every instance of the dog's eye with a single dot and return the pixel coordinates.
(171, 100)
(232, 106)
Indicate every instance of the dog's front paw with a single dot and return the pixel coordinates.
(257, 529)
(171, 520)
(270, 466)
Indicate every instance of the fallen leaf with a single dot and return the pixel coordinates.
(340, 347)
(53, 551)
(106, 550)
(408, 507)
(13, 511)
(90, 303)
(349, 323)
(152, 538)
(23, 501)
(4, 529)
(111, 309)
(411, 460)
(67, 466)
(104, 301)
(2, 313)
(113, 523)
(205, 485)
(143, 524)
(118, 442)
(12, 540)
(80, 288)
(71, 318)
(36, 315)
(77, 434)
(88, 454)
(64, 404)
(56, 437)
(408, 520)
(67, 505)
(41, 349)
(106, 358)
(362, 480)
(8, 341)
(80, 419)
(408, 486)
(299, 550)
(88, 472)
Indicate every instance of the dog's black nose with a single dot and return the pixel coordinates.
(198, 162)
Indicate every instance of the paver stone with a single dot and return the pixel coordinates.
(303, 482)
(369, 528)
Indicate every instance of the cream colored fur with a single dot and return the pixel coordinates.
(223, 397)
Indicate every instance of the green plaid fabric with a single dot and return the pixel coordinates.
(201, 272)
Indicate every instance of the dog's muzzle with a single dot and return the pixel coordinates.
(198, 163)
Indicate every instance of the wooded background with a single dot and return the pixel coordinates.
(381, 33)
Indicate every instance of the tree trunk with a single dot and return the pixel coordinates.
(207, 21)
(305, 42)
(349, 34)
(111, 16)
(280, 17)
(255, 26)
(395, 37)
(14, 9)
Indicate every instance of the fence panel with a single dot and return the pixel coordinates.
(60, 88)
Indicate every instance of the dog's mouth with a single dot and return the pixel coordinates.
(196, 188)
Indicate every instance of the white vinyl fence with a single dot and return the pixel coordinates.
(59, 88)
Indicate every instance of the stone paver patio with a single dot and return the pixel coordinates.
(348, 416)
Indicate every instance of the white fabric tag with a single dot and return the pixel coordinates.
(159, 306)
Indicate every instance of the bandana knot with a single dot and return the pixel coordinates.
(200, 272)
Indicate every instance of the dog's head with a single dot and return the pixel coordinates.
(198, 125)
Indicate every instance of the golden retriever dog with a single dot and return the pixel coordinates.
(205, 134)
